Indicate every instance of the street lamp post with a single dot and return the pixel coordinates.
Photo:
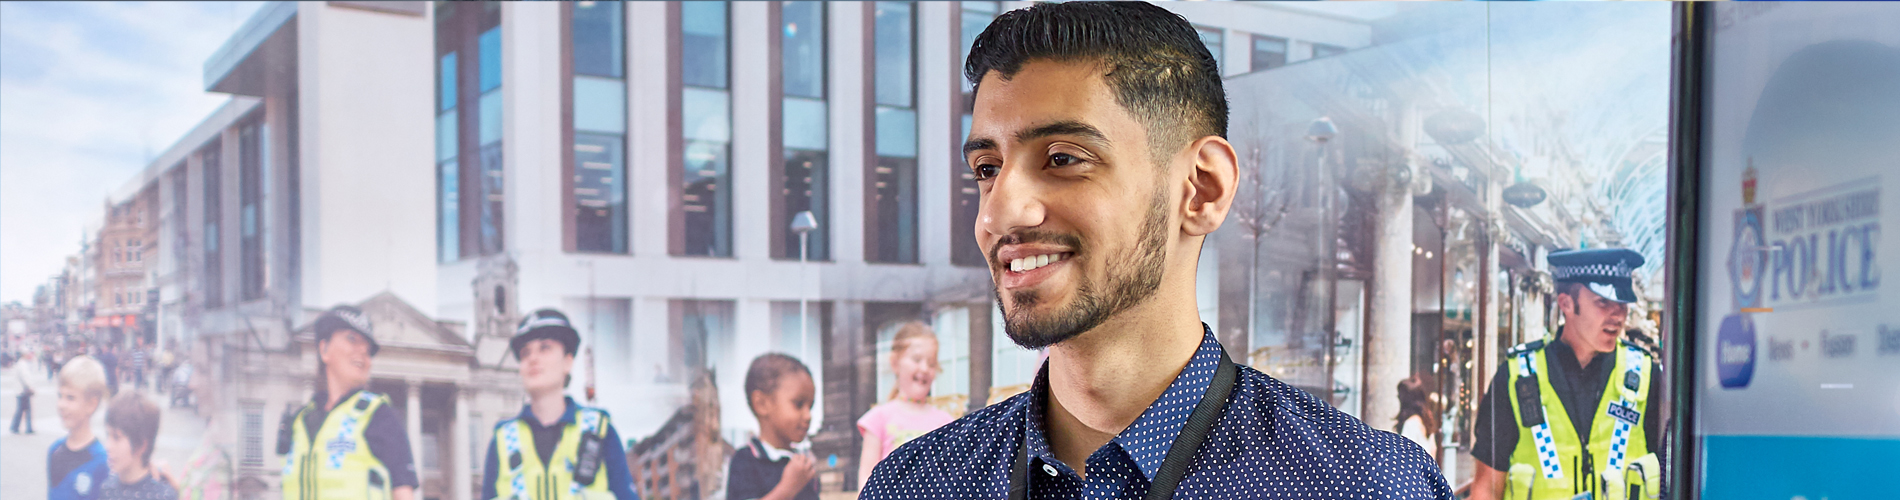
(803, 223)
(1321, 132)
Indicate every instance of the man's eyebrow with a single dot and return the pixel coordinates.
(977, 144)
(1068, 127)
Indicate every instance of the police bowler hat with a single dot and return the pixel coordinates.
(545, 324)
(346, 318)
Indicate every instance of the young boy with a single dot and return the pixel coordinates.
(779, 390)
(76, 464)
(131, 428)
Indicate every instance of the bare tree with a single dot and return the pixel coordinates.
(1263, 203)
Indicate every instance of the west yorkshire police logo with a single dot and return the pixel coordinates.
(1746, 262)
(1735, 351)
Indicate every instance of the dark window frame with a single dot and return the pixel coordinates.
(617, 242)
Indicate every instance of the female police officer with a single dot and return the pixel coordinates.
(347, 442)
(555, 449)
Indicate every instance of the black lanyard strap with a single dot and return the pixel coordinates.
(1180, 454)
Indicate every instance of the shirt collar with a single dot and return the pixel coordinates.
(567, 416)
(770, 453)
(1146, 441)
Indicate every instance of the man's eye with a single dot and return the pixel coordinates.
(1063, 159)
(986, 171)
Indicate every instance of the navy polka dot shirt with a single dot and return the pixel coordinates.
(1272, 441)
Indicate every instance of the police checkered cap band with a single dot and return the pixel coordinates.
(1617, 270)
(542, 318)
(351, 318)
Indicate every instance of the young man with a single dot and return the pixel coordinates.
(131, 429)
(555, 449)
(1589, 394)
(1098, 146)
(76, 464)
(347, 442)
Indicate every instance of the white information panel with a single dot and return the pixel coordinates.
(1799, 373)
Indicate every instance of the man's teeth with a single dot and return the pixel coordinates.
(1030, 263)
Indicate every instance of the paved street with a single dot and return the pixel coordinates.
(23, 457)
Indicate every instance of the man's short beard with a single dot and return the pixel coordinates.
(1133, 277)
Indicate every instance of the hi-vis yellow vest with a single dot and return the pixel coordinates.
(525, 475)
(337, 465)
(1548, 455)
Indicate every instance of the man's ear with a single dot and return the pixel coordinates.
(1211, 181)
(1567, 303)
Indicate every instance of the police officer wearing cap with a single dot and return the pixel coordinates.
(1575, 416)
(347, 442)
(555, 449)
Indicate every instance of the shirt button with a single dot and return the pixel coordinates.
(1049, 469)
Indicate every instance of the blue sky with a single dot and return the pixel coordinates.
(88, 92)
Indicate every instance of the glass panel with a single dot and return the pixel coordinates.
(598, 39)
(804, 49)
(1268, 53)
(896, 132)
(805, 187)
(805, 126)
(490, 119)
(491, 202)
(600, 104)
(600, 193)
(706, 115)
(895, 195)
(446, 133)
(489, 46)
(445, 82)
(1211, 37)
(1324, 50)
(448, 226)
(976, 17)
(893, 44)
(706, 199)
(703, 45)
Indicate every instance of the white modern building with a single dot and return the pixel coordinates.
(638, 166)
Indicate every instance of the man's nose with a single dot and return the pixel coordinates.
(1011, 204)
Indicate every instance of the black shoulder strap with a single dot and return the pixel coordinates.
(1180, 454)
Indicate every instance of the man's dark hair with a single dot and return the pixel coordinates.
(1154, 61)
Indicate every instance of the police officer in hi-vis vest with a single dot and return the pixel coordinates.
(347, 442)
(555, 449)
(1575, 416)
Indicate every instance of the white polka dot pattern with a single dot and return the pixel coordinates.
(1272, 441)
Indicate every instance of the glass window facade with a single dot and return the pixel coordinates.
(599, 166)
(448, 226)
(805, 181)
(210, 160)
(965, 199)
(705, 100)
(251, 168)
(469, 197)
(891, 220)
(491, 183)
(599, 30)
(1268, 52)
(1211, 37)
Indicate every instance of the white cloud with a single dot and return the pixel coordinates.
(88, 91)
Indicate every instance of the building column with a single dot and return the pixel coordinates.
(459, 473)
(1388, 341)
(414, 416)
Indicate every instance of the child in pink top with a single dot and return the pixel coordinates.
(908, 414)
